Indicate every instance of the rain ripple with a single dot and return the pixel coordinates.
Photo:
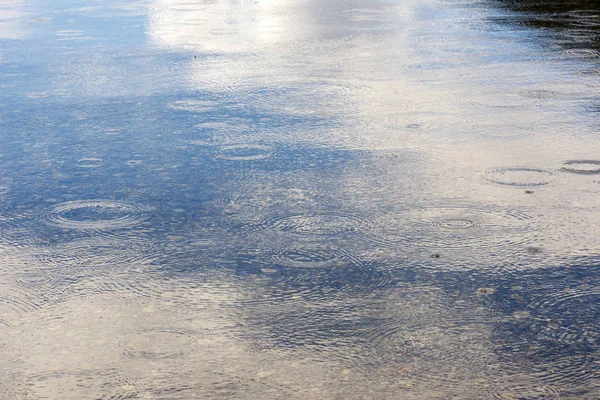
(454, 228)
(318, 224)
(584, 167)
(568, 318)
(155, 344)
(94, 215)
(73, 384)
(314, 257)
(519, 176)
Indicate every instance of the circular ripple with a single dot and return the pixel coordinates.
(456, 223)
(312, 257)
(16, 307)
(89, 162)
(582, 53)
(585, 167)
(568, 374)
(154, 344)
(94, 214)
(569, 317)
(80, 384)
(519, 176)
(92, 254)
(453, 227)
(424, 338)
(326, 224)
(245, 152)
(192, 105)
(45, 286)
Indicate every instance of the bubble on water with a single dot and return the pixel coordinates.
(486, 291)
(519, 176)
(584, 167)
(94, 215)
(90, 162)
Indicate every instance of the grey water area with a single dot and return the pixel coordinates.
(299, 199)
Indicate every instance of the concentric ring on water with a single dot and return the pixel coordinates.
(94, 214)
(160, 343)
(312, 257)
(569, 317)
(245, 152)
(453, 227)
(318, 224)
(90, 162)
(582, 53)
(584, 167)
(78, 384)
(519, 176)
(456, 223)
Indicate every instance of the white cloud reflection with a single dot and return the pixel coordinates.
(11, 24)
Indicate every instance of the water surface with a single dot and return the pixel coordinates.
(299, 199)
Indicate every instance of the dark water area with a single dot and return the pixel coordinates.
(261, 200)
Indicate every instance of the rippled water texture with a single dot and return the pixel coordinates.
(377, 199)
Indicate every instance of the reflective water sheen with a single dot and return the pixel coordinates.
(299, 199)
